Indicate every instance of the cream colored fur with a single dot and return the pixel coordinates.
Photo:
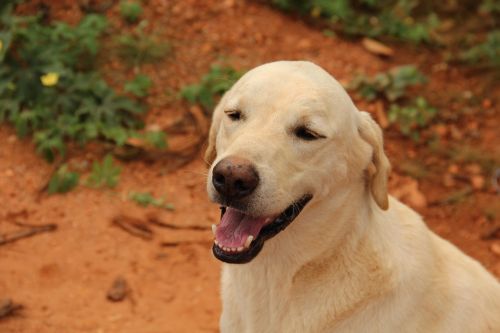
(355, 259)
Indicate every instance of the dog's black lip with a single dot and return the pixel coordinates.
(267, 232)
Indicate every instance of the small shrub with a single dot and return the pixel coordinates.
(63, 180)
(139, 86)
(147, 199)
(139, 47)
(211, 87)
(371, 18)
(410, 115)
(104, 174)
(130, 10)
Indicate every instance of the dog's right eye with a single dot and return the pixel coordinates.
(234, 115)
(306, 134)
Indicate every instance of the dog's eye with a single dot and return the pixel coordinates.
(305, 133)
(234, 115)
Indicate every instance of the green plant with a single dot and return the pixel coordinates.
(130, 10)
(63, 180)
(391, 85)
(104, 174)
(139, 86)
(486, 53)
(147, 199)
(212, 85)
(49, 88)
(395, 18)
(410, 118)
(139, 47)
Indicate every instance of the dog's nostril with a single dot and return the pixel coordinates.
(219, 179)
(240, 185)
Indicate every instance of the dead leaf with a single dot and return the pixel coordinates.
(377, 47)
(477, 181)
(495, 248)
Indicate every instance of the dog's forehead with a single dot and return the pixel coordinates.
(286, 85)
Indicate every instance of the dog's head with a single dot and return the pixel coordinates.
(284, 134)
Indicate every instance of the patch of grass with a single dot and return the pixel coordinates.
(130, 10)
(139, 47)
(211, 86)
(49, 88)
(146, 199)
(139, 86)
(63, 180)
(104, 174)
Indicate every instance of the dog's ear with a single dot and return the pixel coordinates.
(378, 171)
(211, 152)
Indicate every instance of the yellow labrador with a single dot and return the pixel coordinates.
(310, 238)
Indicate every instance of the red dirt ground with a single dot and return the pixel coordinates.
(62, 277)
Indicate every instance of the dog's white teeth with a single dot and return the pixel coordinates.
(214, 229)
(248, 241)
(241, 248)
(216, 242)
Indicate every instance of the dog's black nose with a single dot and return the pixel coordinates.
(235, 177)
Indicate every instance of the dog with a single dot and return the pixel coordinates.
(310, 239)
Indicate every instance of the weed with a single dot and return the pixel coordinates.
(486, 53)
(211, 87)
(63, 180)
(391, 85)
(410, 118)
(104, 174)
(130, 10)
(139, 47)
(49, 89)
(147, 199)
(139, 86)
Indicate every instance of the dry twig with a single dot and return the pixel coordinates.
(34, 230)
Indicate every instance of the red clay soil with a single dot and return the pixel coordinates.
(62, 277)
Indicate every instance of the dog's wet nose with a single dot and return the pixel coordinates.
(235, 177)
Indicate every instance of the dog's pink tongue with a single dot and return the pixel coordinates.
(235, 227)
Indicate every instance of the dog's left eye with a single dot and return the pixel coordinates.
(234, 115)
(305, 133)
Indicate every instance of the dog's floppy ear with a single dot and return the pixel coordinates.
(378, 170)
(211, 152)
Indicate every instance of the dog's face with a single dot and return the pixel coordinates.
(286, 133)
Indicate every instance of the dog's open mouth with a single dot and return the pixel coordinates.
(240, 237)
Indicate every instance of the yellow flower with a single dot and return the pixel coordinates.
(49, 79)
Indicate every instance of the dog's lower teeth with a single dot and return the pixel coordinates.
(240, 249)
(248, 241)
(214, 229)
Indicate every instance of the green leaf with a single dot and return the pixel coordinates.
(63, 181)
(104, 174)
